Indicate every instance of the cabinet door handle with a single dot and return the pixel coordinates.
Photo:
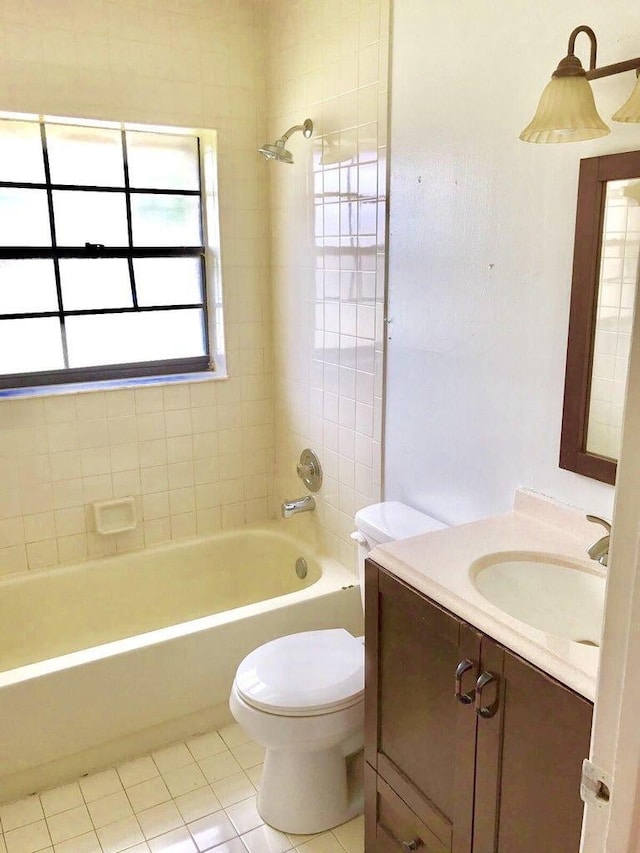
(486, 711)
(410, 846)
(464, 698)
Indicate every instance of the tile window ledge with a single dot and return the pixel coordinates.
(113, 384)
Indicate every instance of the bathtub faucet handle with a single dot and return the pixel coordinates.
(305, 470)
(309, 470)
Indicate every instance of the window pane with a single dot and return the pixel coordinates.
(168, 281)
(95, 283)
(163, 161)
(88, 217)
(21, 152)
(85, 155)
(125, 338)
(27, 285)
(24, 218)
(165, 220)
(30, 345)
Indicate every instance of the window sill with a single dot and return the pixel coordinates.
(111, 384)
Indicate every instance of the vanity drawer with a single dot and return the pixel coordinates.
(391, 826)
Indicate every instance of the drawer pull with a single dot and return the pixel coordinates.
(464, 698)
(410, 846)
(486, 711)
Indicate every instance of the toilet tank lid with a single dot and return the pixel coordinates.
(390, 520)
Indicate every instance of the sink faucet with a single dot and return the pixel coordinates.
(600, 550)
(290, 508)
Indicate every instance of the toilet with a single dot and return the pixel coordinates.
(302, 698)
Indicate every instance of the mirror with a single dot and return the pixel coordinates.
(605, 277)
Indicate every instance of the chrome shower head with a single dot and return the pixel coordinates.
(278, 151)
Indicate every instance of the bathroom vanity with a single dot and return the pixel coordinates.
(476, 726)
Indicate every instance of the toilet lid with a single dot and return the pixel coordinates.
(304, 674)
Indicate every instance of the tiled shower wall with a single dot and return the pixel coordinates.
(197, 456)
(328, 62)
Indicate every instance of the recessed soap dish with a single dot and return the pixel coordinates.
(115, 516)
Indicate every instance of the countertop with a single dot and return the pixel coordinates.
(437, 564)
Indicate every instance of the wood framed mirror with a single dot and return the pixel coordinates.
(603, 289)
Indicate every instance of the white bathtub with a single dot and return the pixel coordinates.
(102, 660)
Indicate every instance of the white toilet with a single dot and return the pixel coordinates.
(302, 697)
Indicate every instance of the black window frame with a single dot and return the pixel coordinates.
(69, 375)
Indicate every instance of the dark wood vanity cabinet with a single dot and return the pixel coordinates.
(468, 748)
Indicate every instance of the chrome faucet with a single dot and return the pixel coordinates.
(600, 550)
(290, 508)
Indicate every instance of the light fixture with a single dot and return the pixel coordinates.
(567, 111)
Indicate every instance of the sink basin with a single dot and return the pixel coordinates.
(548, 592)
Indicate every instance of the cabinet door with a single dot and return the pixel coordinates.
(419, 736)
(529, 760)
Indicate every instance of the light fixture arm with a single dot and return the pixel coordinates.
(571, 49)
(570, 66)
(616, 68)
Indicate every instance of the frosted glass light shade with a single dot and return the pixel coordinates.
(566, 113)
(630, 110)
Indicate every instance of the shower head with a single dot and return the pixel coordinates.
(278, 151)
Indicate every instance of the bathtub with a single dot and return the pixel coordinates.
(109, 658)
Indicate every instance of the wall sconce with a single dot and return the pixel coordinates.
(567, 111)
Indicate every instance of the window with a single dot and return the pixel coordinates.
(102, 253)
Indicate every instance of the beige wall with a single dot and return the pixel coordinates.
(198, 456)
(328, 62)
(481, 252)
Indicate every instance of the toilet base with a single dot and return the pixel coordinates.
(289, 803)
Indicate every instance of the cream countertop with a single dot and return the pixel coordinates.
(437, 564)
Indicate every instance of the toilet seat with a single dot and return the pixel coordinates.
(306, 674)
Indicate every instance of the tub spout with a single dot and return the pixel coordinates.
(290, 508)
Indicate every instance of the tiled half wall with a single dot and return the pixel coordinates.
(328, 62)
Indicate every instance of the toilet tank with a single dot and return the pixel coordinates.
(386, 522)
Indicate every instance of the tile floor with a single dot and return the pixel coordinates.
(186, 798)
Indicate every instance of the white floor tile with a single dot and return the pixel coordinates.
(197, 804)
(186, 798)
(136, 771)
(121, 835)
(219, 766)
(109, 809)
(29, 838)
(298, 840)
(100, 785)
(176, 841)
(265, 839)
(255, 774)
(159, 819)
(351, 835)
(147, 794)
(69, 824)
(248, 754)
(244, 815)
(87, 843)
(233, 846)
(172, 756)
(206, 745)
(211, 830)
(21, 813)
(61, 799)
(233, 789)
(326, 842)
(234, 735)
(184, 779)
